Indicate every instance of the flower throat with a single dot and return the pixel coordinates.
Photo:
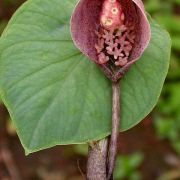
(116, 35)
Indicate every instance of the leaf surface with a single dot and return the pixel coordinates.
(57, 96)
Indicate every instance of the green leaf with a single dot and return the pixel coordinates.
(57, 96)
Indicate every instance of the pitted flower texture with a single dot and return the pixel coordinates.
(111, 15)
(112, 33)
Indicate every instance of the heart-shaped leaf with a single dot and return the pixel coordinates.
(54, 94)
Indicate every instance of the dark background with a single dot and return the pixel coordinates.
(149, 151)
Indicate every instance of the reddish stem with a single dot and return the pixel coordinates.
(97, 156)
(115, 128)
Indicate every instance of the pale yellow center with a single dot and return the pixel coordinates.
(106, 21)
(114, 10)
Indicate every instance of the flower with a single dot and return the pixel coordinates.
(112, 33)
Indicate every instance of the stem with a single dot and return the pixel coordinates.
(115, 128)
(96, 165)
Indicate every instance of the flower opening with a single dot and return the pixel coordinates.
(111, 33)
(116, 35)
